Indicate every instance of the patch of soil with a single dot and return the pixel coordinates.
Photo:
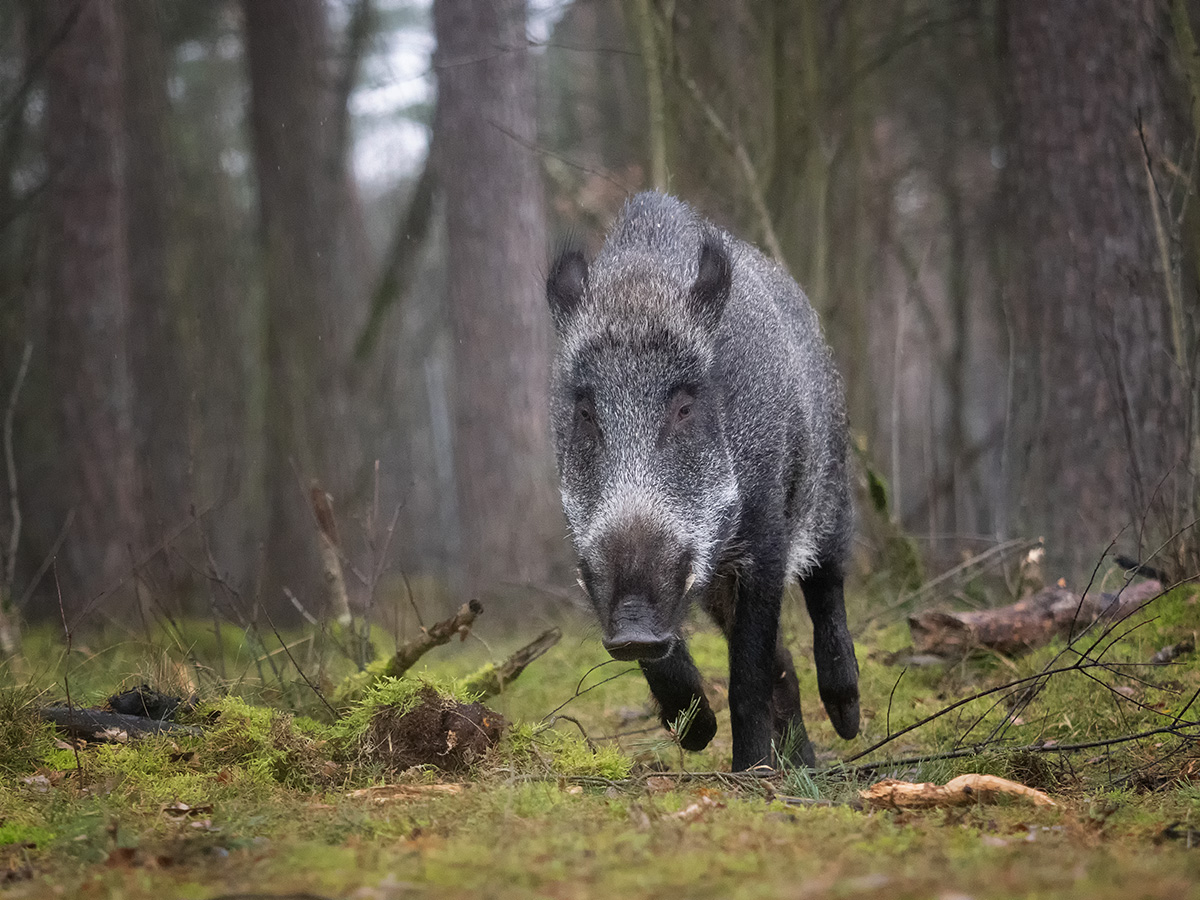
(438, 731)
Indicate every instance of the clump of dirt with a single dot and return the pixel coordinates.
(435, 731)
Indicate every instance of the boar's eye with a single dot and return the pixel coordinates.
(585, 419)
(682, 409)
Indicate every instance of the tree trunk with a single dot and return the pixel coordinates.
(1096, 422)
(287, 48)
(87, 287)
(495, 223)
(156, 354)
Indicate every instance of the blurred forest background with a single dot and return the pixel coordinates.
(249, 246)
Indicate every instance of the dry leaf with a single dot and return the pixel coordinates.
(660, 784)
(964, 790)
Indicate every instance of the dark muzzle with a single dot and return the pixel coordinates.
(632, 644)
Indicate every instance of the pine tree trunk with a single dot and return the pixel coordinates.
(287, 48)
(512, 529)
(160, 411)
(1095, 419)
(87, 286)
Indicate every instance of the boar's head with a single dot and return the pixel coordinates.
(637, 410)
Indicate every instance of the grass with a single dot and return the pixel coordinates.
(264, 800)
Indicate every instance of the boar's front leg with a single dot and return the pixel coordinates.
(675, 683)
(752, 661)
(833, 648)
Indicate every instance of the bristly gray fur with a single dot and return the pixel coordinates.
(700, 434)
(784, 419)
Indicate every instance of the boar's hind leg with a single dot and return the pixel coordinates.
(833, 648)
(675, 683)
(791, 738)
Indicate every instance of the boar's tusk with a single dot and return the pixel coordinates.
(687, 585)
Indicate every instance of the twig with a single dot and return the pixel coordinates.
(738, 150)
(579, 693)
(166, 541)
(286, 650)
(35, 65)
(574, 721)
(888, 720)
(978, 696)
(1030, 748)
(66, 673)
(587, 170)
(300, 608)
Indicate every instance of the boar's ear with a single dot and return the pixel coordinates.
(706, 300)
(565, 286)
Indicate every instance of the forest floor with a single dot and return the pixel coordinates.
(262, 803)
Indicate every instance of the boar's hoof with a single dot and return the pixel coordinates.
(700, 731)
(843, 713)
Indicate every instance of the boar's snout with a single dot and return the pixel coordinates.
(633, 637)
(640, 591)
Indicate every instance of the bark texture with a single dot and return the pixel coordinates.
(485, 127)
(87, 287)
(287, 49)
(1096, 426)
(160, 411)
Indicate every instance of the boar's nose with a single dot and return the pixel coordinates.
(630, 644)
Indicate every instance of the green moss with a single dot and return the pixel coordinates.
(564, 753)
(477, 682)
(18, 833)
(267, 744)
(399, 695)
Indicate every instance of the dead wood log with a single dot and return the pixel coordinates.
(459, 624)
(1032, 622)
(102, 725)
(491, 680)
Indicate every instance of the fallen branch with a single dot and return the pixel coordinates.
(1051, 612)
(491, 680)
(102, 725)
(459, 624)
